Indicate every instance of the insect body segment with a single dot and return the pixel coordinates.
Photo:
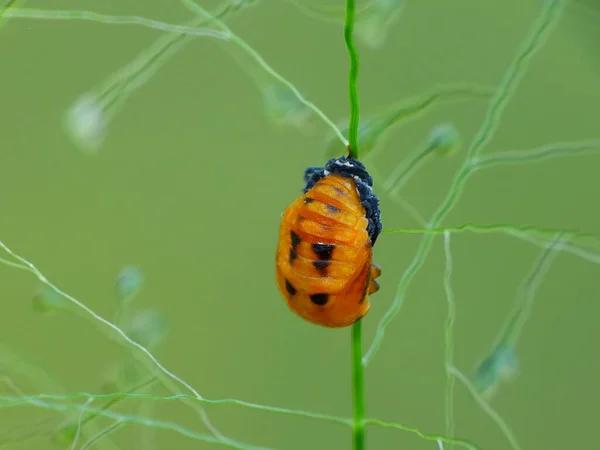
(324, 258)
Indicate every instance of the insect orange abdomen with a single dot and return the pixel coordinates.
(324, 257)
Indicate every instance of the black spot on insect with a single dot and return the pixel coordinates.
(293, 254)
(323, 251)
(295, 240)
(291, 289)
(321, 266)
(333, 209)
(308, 200)
(319, 299)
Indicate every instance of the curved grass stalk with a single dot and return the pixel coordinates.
(197, 9)
(167, 377)
(498, 420)
(102, 434)
(32, 13)
(131, 418)
(537, 233)
(57, 402)
(546, 20)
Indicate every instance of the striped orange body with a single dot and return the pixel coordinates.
(324, 261)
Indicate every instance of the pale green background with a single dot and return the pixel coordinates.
(190, 186)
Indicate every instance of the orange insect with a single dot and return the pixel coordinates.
(324, 262)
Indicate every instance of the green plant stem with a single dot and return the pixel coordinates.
(197, 9)
(358, 389)
(352, 79)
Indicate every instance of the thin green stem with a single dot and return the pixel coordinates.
(197, 9)
(103, 433)
(168, 378)
(42, 14)
(352, 78)
(449, 337)
(358, 389)
(491, 412)
(546, 21)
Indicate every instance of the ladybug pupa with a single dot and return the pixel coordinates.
(324, 259)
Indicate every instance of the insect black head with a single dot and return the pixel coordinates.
(351, 168)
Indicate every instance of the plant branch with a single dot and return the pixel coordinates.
(352, 79)
(358, 387)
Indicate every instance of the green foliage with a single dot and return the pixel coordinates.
(48, 300)
(88, 122)
(129, 283)
(374, 129)
(443, 140)
(148, 328)
(372, 26)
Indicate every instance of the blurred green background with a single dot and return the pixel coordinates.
(190, 184)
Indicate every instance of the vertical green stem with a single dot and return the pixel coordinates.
(352, 78)
(358, 389)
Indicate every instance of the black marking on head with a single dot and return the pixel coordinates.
(308, 200)
(323, 251)
(319, 299)
(321, 266)
(293, 254)
(333, 209)
(295, 240)
(351, 168)
(291, 289)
